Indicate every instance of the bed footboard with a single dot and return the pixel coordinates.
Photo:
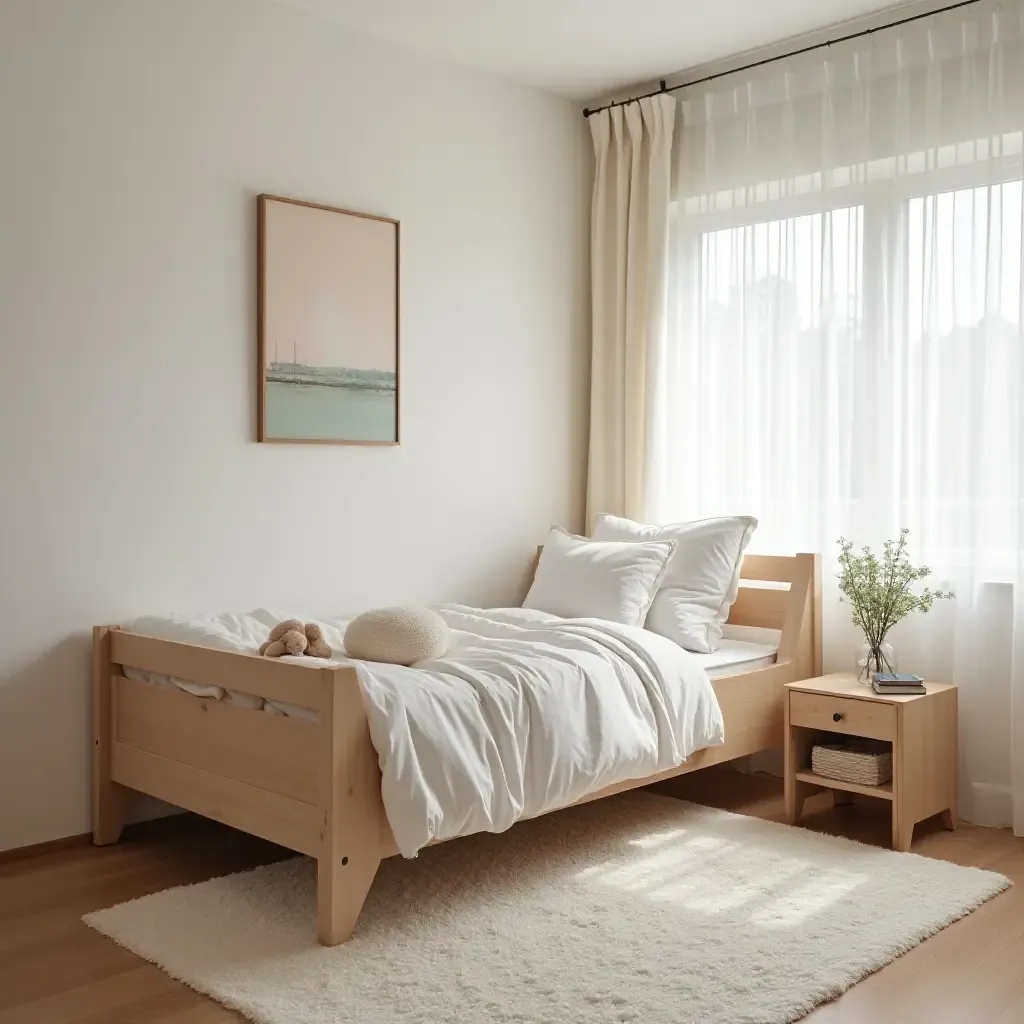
(313, 787)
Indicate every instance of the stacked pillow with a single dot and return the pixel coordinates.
(703, 577)
(579, 578)
(678, 580)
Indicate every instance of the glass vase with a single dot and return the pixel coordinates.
(875, 659)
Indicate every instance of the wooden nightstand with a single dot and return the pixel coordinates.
(921, 727)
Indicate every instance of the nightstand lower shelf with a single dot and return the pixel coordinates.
(883, 792)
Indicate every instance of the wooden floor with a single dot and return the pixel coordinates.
(54, 970)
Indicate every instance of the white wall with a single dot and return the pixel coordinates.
(135, 135)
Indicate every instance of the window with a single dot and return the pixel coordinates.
(850, 351)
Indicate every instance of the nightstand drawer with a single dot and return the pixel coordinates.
(869, 718)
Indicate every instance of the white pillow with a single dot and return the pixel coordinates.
(579, 578)
(702, 579)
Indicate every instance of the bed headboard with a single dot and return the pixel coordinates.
(784, 592)
(777, 592)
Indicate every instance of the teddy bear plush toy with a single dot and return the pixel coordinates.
(292, 637)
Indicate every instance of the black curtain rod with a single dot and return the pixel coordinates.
(587, 111)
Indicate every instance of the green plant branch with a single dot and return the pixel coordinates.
(857, 600)
(892, 562)
(892, 594)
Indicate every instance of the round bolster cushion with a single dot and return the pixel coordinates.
(398, 636)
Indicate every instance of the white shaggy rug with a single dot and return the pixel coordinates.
(638, 908)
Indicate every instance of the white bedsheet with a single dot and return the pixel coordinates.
(527, 713)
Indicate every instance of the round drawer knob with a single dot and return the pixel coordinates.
(837, 717)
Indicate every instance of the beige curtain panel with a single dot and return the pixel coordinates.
(629, 238)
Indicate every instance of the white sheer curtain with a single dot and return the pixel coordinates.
(843, 353)
(629, 263)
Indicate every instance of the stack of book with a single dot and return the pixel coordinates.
(897, 682)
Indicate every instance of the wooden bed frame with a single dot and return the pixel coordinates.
(314, 787)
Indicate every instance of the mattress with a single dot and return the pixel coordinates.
(742, 649)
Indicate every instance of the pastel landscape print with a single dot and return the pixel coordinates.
(329, 325)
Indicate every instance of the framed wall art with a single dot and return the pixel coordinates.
(328, 324)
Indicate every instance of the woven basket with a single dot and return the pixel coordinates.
(866, 762)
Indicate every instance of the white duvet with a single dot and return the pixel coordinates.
(525, 714)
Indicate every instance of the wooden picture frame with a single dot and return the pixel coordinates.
(328, 324)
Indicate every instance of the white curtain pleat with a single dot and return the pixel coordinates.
(629, 258)
(843, 353)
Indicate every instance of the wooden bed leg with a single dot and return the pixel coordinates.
(342, 885)
(109, 800)
(353, 811)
